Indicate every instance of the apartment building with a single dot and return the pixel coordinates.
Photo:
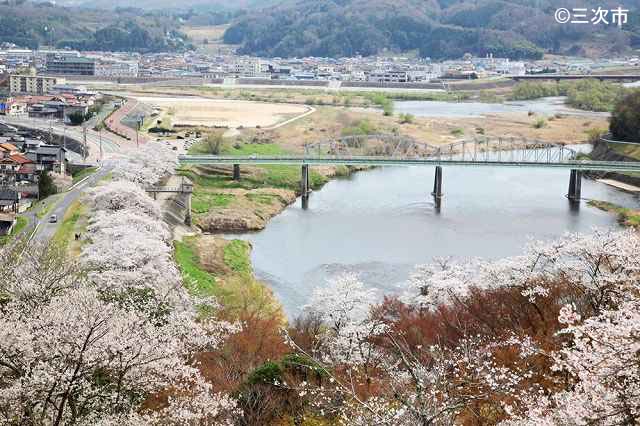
(70, 65)
(116, 69)
(32, 84)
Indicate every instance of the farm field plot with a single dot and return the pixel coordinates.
(194, 111)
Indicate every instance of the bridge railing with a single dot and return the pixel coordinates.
(398, 147)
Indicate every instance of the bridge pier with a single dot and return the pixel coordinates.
(575, 186)
(305, 187)
(437, 187)
(187, 216)
(236, 172)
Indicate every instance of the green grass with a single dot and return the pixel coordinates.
(21, 223)
(236, 256)
(204, 202)
(197, 279)
(540, 123)
(630, 150)
(77, 177)
(63, 234)
(273, 175)
(626, 216)
(457, 132)
(253, 148)
(47, 205)
(237, 292)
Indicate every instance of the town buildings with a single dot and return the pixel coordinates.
(30, 83)
(227, 65)
(70, 65)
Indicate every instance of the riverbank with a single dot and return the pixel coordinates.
(214, 266)
(222, 205)
(626, 216)
(603, 151)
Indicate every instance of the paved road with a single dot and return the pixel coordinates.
(46, 230)
(114, 122)
(110, 143)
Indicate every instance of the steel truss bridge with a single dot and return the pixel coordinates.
(394, 150)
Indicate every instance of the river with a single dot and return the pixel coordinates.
(548, 106)
(381, 223)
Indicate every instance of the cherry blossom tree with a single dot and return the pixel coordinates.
(123, 195)
(92, 341)
(377, 377)
(148, 165)
(344, 305)
(70, 355)
(594, 377)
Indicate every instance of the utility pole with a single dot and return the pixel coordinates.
(100, 134)
(51, 129)
(84, 137)
(139, 121)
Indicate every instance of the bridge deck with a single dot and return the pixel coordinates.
(382, 161)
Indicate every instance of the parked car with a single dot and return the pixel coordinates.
(53, 218)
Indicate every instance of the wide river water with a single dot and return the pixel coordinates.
(382, 222)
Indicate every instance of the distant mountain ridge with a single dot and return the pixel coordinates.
(519, 29)
(29, 24)
(167, 4)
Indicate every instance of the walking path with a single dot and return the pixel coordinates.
(114, 123)
(619, 185)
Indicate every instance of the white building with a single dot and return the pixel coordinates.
(388, 76)
(32, 84)
(117, 69)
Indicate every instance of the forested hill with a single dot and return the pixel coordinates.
(31, 25)
(435, 28)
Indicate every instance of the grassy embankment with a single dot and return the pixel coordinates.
(626, 216)
(45, 207)
(216, 267)
(21, 223)
(209, 188)
(78, 176)
(73, 222)
(222, 269)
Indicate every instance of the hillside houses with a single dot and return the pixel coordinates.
(23, 160)
(58, 106)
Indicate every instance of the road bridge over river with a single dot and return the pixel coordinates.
(393, 150)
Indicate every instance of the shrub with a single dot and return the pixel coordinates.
(540, 123)
(268, 373)
(594, 134)
(46, 186)
(594, 95)
(406, 118)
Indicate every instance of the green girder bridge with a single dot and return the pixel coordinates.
(393, 150)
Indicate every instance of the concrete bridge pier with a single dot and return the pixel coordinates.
(236, 172)
(437, 187)
(305, 187)
(575, 186)
(187, 216)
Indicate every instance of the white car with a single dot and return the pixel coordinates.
(53, 218)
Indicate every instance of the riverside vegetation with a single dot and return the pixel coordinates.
(590, 95)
